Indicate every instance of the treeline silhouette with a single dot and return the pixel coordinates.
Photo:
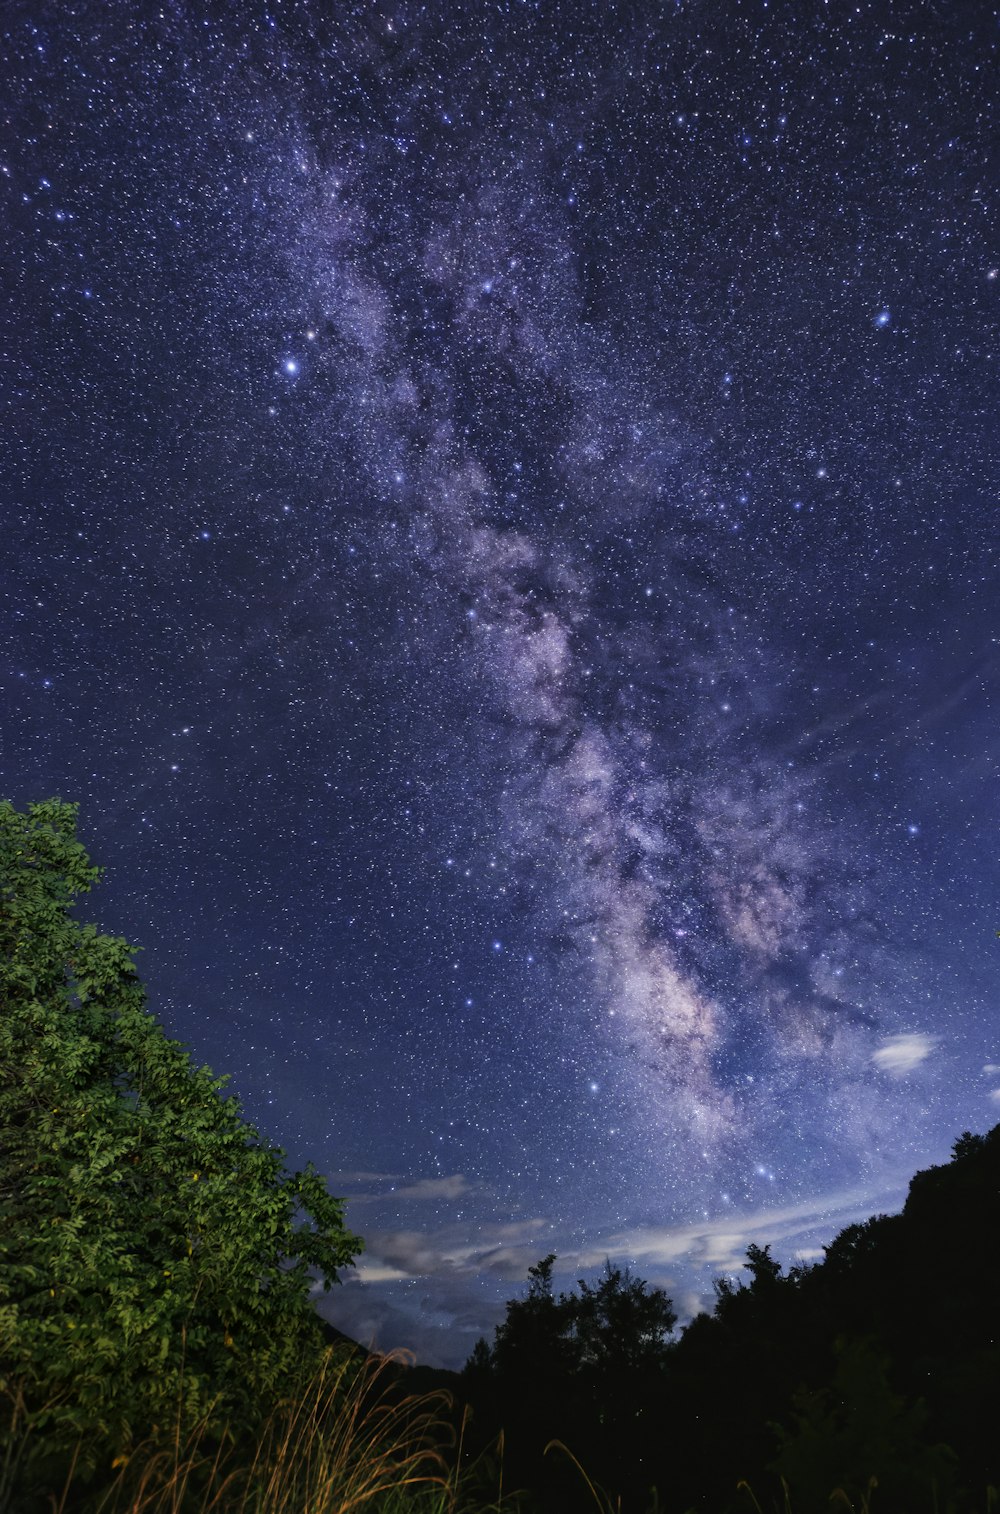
(880, 1362)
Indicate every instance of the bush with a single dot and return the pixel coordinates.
(156, 1257)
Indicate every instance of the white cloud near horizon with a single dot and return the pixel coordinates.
(451, 1266)
(508, 1250)
(722, 1242)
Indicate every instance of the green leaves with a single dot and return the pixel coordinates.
(156, 1256)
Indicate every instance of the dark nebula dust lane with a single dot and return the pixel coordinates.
(500, 538)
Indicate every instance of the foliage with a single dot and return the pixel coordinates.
(156, 1257)
(535, 1342)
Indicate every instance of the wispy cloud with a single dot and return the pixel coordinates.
(436, 1188)
(503, 1250)
(439, 1324)
(901, 1053)
(386, 1185)
(721, 1242)
(380, 1272)
(508, 1250)
(345, 1179)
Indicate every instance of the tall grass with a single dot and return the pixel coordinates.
(352, 1440)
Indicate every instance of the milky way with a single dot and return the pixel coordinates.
(501, 543)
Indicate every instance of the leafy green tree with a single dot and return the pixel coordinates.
(156, 1256)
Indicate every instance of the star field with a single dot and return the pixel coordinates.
(499, 510)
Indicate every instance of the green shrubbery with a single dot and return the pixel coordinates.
(156, 1257)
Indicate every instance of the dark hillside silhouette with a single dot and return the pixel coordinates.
(883, 1361)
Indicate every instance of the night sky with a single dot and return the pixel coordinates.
(499, 535)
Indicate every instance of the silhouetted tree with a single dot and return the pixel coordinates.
(583, 1368)
(763, 1269)
(535, 1343)
(621, 1325)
